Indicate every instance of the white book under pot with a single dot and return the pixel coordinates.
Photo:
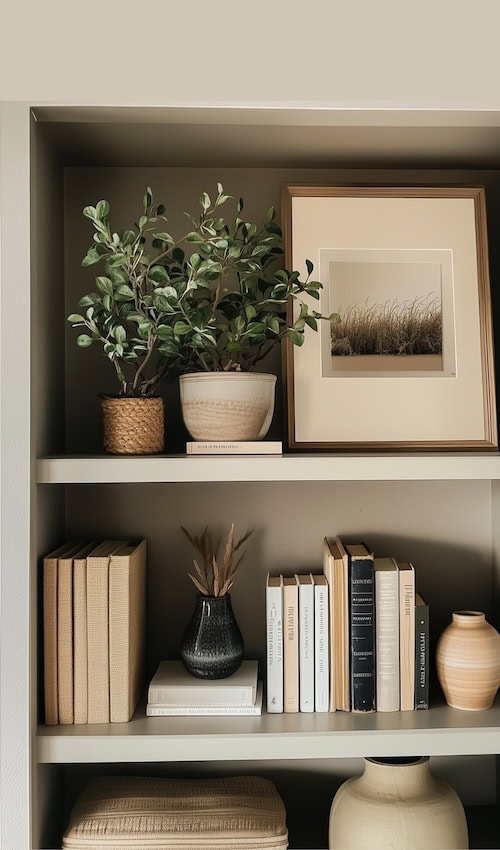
(306, 642)
(173, 686)
(256, 447)
(387, 634)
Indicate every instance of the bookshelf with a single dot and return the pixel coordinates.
(440, 510)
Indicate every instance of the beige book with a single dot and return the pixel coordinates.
(387, 634)
(97, 631)
(65, 635)
(290, 645)
(50, 570)
(336, 570)
(80, 652)
(407, 634)
(127, 617)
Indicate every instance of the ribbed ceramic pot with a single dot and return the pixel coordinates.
(223, 406)
(397, 804)
(468, 661)
(212, 646)
(133, 426)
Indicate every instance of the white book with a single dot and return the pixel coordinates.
(247, 447)
(306, 642)
(321, 644)
(207, 710)
(387, 634)
(172, 685)
(407, 634)
(274, 628)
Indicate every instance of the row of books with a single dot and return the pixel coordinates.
(94, 597)
(355, 638)
(173, 691)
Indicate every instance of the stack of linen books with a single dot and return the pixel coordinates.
(174, 691)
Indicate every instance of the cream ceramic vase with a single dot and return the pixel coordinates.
(468, 661)
(228, 406)
(397, 804)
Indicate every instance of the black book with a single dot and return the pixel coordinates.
(421, 653)
(362, 627)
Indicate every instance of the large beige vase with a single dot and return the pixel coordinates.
(468, 661)
(228, 406)
(397, 804)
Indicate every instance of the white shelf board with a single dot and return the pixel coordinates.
(441, 731)
(296, 467)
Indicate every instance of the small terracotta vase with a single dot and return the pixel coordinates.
(468, 661)
(397, 803)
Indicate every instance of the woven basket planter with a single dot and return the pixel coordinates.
(133, 426)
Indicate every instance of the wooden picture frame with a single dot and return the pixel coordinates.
(410, 364)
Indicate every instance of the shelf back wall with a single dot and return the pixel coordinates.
(444, 528)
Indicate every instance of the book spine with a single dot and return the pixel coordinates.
(329, 572)
(202, 711)
(306, 647)
(407, 639)
(321, 648)
(80, 666)
(242, 448)
(362, 610)
(50, 640)
(127, 604)
(65, 640)
(98, 639)
(169, 697)
(274, 618)
(343, 654)
(422, 657)
(387, 640)
(291, 648)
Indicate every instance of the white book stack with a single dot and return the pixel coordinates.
(175, 692)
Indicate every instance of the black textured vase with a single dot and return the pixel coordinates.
(212, 646)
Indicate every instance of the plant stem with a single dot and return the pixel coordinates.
(144, 362)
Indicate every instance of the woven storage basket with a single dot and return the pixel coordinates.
(133, 426)
(119, 812)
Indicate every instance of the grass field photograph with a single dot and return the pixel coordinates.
(390, 316)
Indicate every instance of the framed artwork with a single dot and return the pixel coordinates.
(408, 364)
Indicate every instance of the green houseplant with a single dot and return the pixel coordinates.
(230, 303)
(124, 317)
(209, 304)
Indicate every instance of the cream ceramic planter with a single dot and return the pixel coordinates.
(468, 661)
(227, 405)
(399, 804)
